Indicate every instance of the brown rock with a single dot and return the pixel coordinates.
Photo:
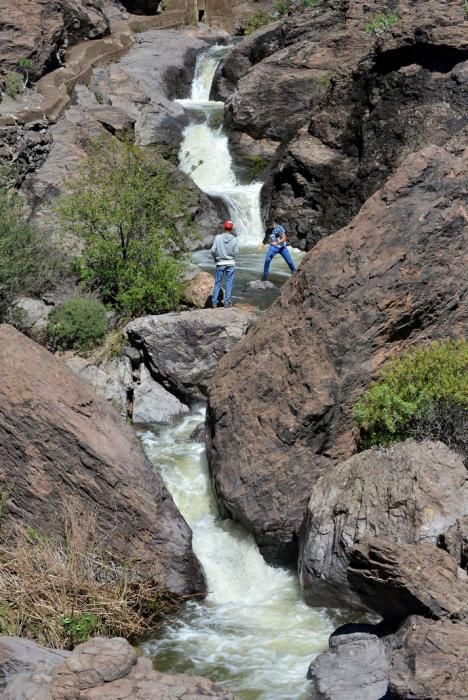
(348, 105)
(198, 291)
(409, 493)
(429, 660)
(57, 439)
(36, 30)
(280, 403)
(398, 580)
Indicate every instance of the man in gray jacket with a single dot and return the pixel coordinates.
(224, 250)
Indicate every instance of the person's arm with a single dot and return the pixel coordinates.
(283, 236)
(236, 248)
(213, 250)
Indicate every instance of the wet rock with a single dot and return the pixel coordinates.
(280, 405)
(183, 349)
(259, 285)
(111, 380)
(19, 655)
(106, 669)
(344, 105)
(38, 31)
(428, 660)
(59, 440)
(199, 434)
(354, 668)
(409, 493)
(397, 580)
(153, 404)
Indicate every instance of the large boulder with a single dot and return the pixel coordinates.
(354, 668)
(428, 660)
(106, 669)
(59, 440)
(280, 404)
(409, 493)
(153, 404)
(344, 105)
(397, 580)
(38, 30)
(19, 655)
(183, 349)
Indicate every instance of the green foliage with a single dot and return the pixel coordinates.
(25, 63)
(259, 19)
(308, 4)
(13, 83)
(324, 80)
(258, 165)
(79, 324)
(411, 388)
(30, 263)
(130, 213)
(79, 628)
(282, 7)
(382, 22)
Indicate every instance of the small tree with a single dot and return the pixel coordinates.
(25, 65)
(130, 214)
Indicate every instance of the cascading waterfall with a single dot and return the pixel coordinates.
(204, 155)
(253, 632)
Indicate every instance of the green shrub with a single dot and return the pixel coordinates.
(256, 21)
(13, 83)
(308, 4)
(382, 21)
(282, 7)
(79, 628)
(30, 263)
(79, 324)
(416, 390)
(130, 212)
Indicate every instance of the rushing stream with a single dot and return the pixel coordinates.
(252, 633)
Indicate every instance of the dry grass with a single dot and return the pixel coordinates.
(60, 591)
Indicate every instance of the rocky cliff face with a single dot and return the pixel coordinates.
(58, 440)
(280, 403)
(38, 30)
(343, 106)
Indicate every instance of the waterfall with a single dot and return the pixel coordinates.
(252, 633)
(205, 156)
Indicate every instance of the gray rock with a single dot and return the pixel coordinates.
(110, 380)
(354, 668)
(185, 348)
(198, 435)
(19, 655)
(153, 404)
(410, 493)
(106, 669)
(259, 285)
(32, 314)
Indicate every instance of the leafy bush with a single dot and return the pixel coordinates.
(125, 205)
(60, 589)
(30, 263)
(308, 4)
(259, 19)
(382, 22)
(79, 324)
(13, 83)
(414, 391)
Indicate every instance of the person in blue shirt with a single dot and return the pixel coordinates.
(277, 239)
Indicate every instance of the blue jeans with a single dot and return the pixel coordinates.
(222, 270)
(274, 250)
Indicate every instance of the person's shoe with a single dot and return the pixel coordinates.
(264, 279)
(227, 304)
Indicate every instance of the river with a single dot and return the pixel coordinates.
(252, 633)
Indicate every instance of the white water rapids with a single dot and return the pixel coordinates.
(252, 633)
